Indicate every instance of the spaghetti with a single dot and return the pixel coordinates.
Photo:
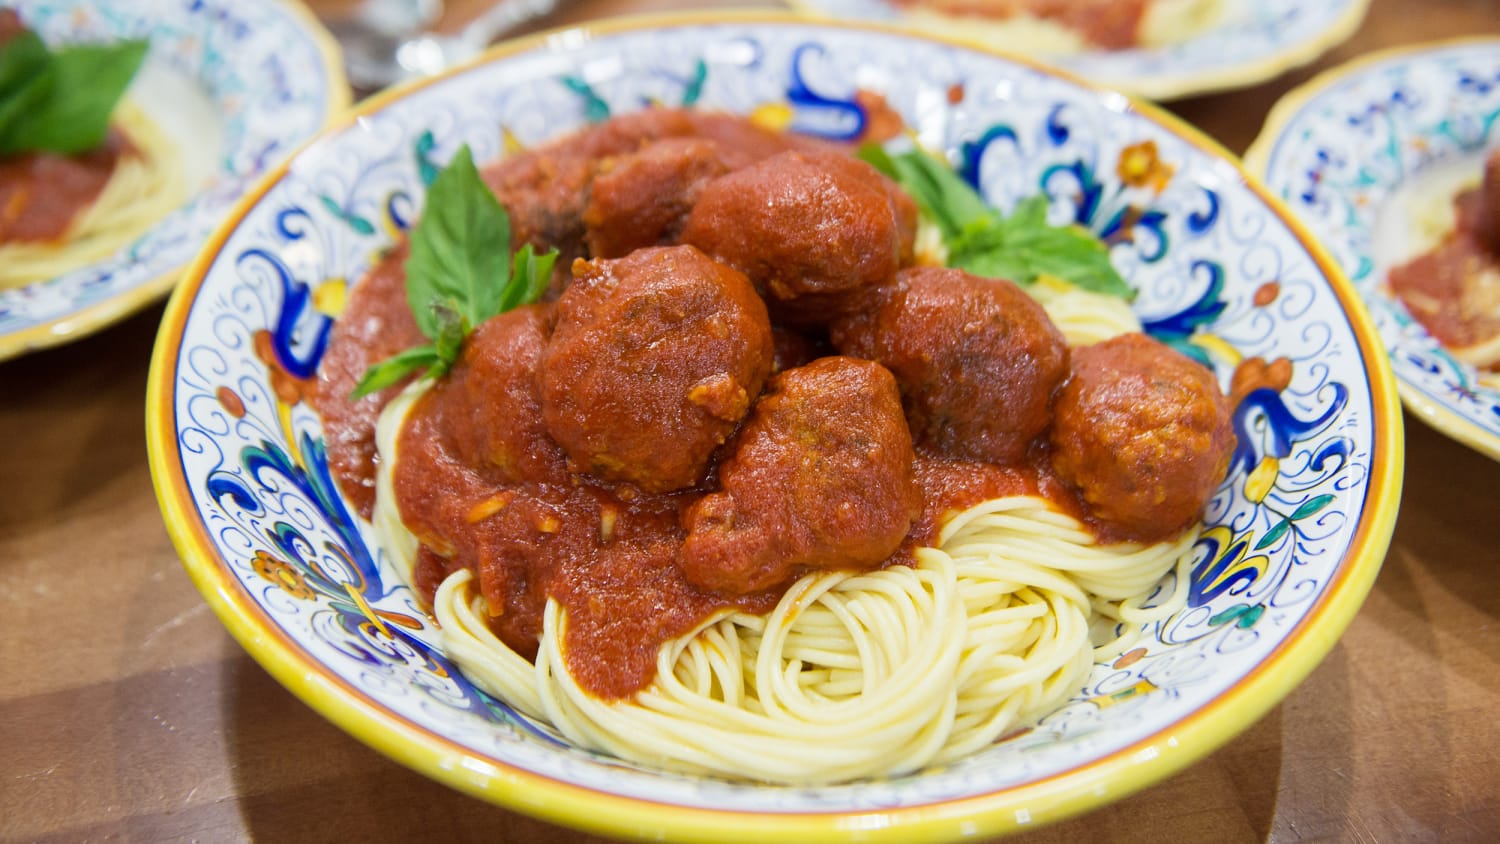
(144, 186)
(858, 674)
(894, 546)
(853, 674)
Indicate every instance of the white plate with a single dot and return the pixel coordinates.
(1354, 152)
(1248, 42)
(236, 84)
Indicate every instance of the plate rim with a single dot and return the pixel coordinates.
(1257, 159)
(1176, 86)
(1054, 798)
(89, 319)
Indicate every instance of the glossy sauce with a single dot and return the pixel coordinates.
(485, 486)
(1111, 24)
(1454, 289)
(41, 193)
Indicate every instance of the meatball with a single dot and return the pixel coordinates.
(977, 360)
(743, 143)
(473, 451)
(820, 476)
(794, 348)
(1488, 212)
(492, 405)
(1143, 432)
(640, 200)
(655, 359)
(545, 188)
(814, 230)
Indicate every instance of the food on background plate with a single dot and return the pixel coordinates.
(795, 483)
(1060, 27)
(82, 172)
(1453, 288)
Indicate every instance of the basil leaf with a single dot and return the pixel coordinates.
(1030, 214)
(876, 156)
(451, 331)
(529, 275)
(457, 271)
(396, 367)
(941, 193)
(1018, 247)
(89, 80)
(459, 248)
(26, 80)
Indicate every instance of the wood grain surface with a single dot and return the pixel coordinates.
(128, 713)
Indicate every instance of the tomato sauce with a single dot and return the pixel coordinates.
(41, 193)
(1454, 289)
(1111, 24)
(485, 485)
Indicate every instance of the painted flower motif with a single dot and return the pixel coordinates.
(1141, 167)
(774, 117)
(282, 574)
(881, 121)
(1260, 480)
(1266, 294)
(1256, 373)
(289, 388)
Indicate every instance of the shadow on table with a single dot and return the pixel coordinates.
(52, 461)
(1449, 526)
(302, 779)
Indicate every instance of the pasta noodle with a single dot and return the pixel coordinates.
(143, 188)
(854, 674)
(880, 659)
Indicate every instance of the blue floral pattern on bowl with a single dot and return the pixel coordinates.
(267, 72)
(1221, 276)
(1351, 144)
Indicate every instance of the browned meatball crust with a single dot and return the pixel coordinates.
(814, 230)
(1143, 432)
(654, 360)
(819, 476)
(547, 189)
(491, 401)
(1487, 222)
(641, 199)
(977, 359)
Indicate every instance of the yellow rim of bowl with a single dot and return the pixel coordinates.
(1258, 161)
(1069, 793)
(1180, 85)
(83, 322)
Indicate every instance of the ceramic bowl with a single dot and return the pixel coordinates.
(235, 85)
(1353, 152)
(1295, 534)
(1245, 43)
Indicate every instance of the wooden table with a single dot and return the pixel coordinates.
(126, 711)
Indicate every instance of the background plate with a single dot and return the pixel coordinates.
(1252, 41)
(236, 85)
(1347, 148)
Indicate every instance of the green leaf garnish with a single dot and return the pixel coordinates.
(1020, 247)
(396, 367)
(460, 249)
(61, 100)
(459, 273)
